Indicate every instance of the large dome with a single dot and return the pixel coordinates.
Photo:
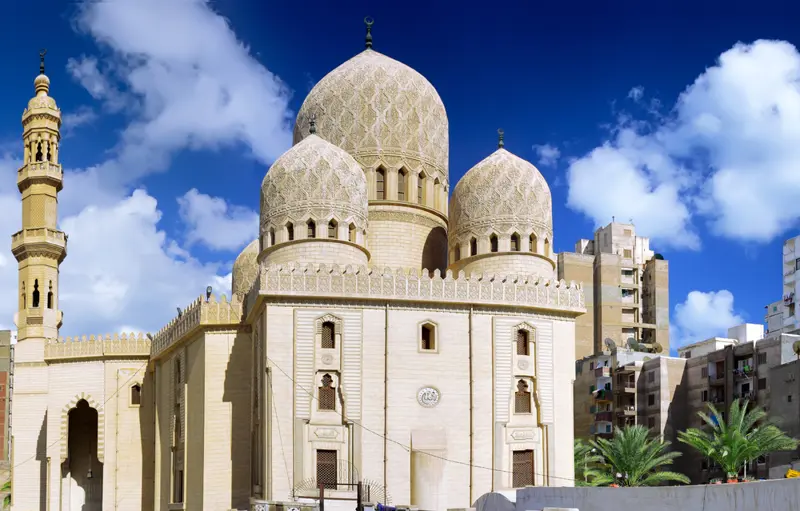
(245, 270)
(502, 193)
(314, 180)
(382, 112)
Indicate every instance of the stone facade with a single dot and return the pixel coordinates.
(350, 351)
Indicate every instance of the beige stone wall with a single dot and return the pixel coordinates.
(322, 251)
(583, 400)
(506, 263)
(580, 268)
(195, 418)
(404, 236)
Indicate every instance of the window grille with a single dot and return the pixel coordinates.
(523, 344)
(326, 469)
(522, 398)
(523, 473)
(328, 335)
(327, 394)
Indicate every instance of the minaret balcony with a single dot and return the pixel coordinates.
(39, 241)
(40, 171)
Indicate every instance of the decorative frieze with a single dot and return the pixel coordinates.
(110, 346)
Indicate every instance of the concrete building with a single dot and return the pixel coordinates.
(784, 406)
(6, 382)
(350, 349)
(782, 316)
(627, 289)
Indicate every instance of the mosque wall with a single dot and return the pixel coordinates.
(506, 263)
(323, 251)
(404, 236)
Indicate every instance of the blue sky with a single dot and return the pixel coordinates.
(685, 118)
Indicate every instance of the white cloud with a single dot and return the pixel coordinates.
(215, 223)
(548, 155)
(703, 315)
(636, 93)
(727, 155)
(74, 120)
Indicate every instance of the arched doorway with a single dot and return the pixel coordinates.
(83, 471)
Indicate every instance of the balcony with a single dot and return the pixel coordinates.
(745, 372)
(716, 379)
(602, 395)
(602, 372)
(628, 387)
(606, 416)
(627, 411)
(749, 396)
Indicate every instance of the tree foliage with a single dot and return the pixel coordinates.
(587, 461)
(745, 435)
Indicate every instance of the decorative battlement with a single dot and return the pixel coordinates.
(110, 346)
(42, 170)
(39, 241)
(372, 283)
(201, 312)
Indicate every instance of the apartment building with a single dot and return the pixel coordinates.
(627, 291)
(5, 393)
(782, 316)
(784, 406)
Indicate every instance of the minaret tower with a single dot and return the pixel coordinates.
(39, 247)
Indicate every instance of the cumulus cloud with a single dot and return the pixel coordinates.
(703, 315)
(548, 155)
(726, 155)
(215, 223)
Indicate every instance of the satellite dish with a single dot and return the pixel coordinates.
(633, 345)
(610, 345)
(658, 348)
(796, 348)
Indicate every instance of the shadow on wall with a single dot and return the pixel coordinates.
(147, 432)
(775, 494)
(434, 253)
(237, 393)
(41, 457)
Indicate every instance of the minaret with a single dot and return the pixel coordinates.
(39, 248)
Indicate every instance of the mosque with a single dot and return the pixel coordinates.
(377, 333)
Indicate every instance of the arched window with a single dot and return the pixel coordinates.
(428, 338)
(332, 228)
(327, 394)
(36, 293)
(136, 395)
(352, 233)
(39, 154)
(493, 242)
(421, 188)
(312, 229)
(380, 184)
(522, 398)
(328, 335)
(401, 184)
(50, 296)
(547, 247)
(534, 242)
(458, 252)
(523, 343)
(290, 232)
(473, 247)
(271, 236)
(515, 242)
(49, 158)
(24, 297)
(437, 192)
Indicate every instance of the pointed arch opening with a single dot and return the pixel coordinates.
(493, 243)
(24, 296)
(136, 394)
(271, 236)
(534, 241)
(39, 155)
(333, 228)
(352, 233)
(402, 179)
(380, 184)
(82, 462)
(547, 247)
(421, 187)
(473, 247)
(523, 342)
(50, 296)
(328, 335)
(522, 398)
(35, 293)
(312, 229)
(515, 242)
(437, 194)
(49, 154)
(327, 393)
(428, 337)
(289, 232)
(457, 252)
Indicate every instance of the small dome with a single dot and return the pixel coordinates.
(314, 180)
(502, 193)
(41, 100)
(382, 112)
(245, 270)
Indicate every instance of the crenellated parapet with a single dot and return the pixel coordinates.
(98, 347)
(372, 283)
(200, 313)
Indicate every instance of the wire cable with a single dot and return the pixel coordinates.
(280, 437)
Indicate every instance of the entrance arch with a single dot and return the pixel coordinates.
(82, 470)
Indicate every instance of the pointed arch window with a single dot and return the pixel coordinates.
(380, 184)
(473, 247)
(39, 155)
(136, 395)
(428, 337)
(24, 297)
(458, 252)
(421, 188)
(547, 247)
(437, 192)
(523, 343)
(332, 229)
(49, 157)
(352, 233)
(515, 242)
(35, 293)
(312, 229)
(50, 296)
(271, 236)
(289, 232)
(522, 398)
(493, 242)
(401, 184)
(327, 394)
(328, 335)
(534, 242)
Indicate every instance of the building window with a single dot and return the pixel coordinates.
(687, 354)
(522, 471)
(493, 242)
(326, 469)
(547, 247)
(473, 247)
(651, 399)
(332, 228)
(352, 233)
(762, 358)
(704, 372)
(523, 343)
(626, 253)
(651, 422)
(515, 242)
(651, 376)
(380, 184)
(421, 188)
(312, 229)
(36, 293)
(591, 366)
(136, 395)
(401, 185)
(522, 398)
(428, 337)
(704, 396)
(457, 252)
(762, 384)
(290, 232)
(271, 236)
(327, 394)
(534, 241)
(789, 398)
(328, 335)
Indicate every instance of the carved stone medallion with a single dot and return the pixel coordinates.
(428, 397)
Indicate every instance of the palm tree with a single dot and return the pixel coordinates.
(633, 458)
(586, 462)
(6, 488)
(743, 437)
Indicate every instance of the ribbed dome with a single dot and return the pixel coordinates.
(382, 112)
(502, 193)
(314, 179)
(245, 270)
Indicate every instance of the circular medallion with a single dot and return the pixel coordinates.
(327, 359)
(428, 397)
(522, 364)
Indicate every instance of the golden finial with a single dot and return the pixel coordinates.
(42, 53)
(369, 22)
(500, 143)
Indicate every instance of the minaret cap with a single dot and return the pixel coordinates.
(500, 143)
(42, 82)
(368, 42)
